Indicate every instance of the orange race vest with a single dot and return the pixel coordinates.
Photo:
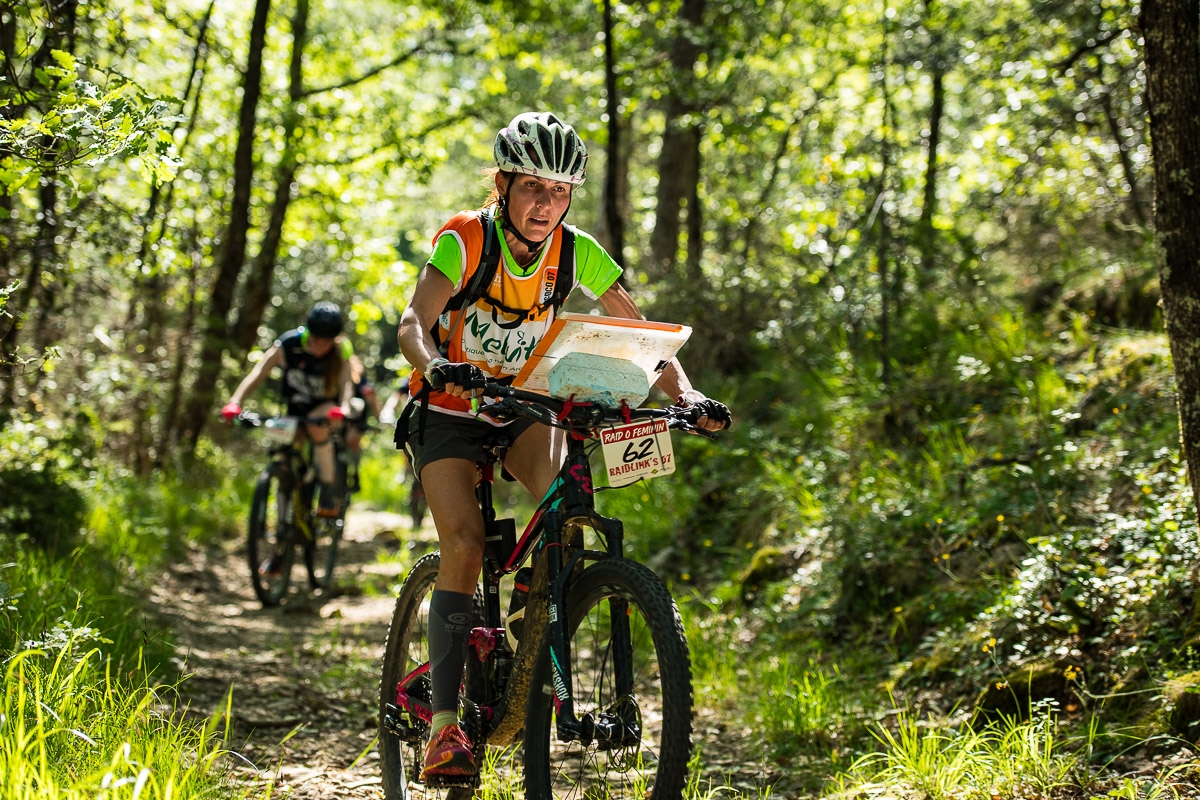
(499, 330)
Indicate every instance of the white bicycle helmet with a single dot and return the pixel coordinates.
(539, 143)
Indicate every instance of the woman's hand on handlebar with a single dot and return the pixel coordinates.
(714, 415)
(457, 380)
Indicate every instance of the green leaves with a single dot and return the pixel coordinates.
(71, 122)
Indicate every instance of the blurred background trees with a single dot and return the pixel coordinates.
(801, 182)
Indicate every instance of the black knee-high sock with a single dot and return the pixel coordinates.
(449, 629)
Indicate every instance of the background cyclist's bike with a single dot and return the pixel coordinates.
(590, 666)
(281, 514)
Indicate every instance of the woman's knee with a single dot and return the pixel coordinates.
(462, 561)
(462, 545)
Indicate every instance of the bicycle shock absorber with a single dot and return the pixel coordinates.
(569, 726)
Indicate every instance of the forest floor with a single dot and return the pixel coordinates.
(301, 680)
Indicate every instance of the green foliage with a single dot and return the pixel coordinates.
(41, 494)
(41, 505)
(82, 124)
(803, 707)
(74, 729)
(48, 602)
(1011, 759)
(144, 522)
(383, 476)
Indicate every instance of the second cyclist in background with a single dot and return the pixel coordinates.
(316, 385)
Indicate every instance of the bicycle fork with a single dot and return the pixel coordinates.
(619, 725)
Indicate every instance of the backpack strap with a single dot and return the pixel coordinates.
(564, 282)
(489, 261)
(476, 286)
(481, 280)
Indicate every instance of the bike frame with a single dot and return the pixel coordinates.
(570, 501)
(297, 464)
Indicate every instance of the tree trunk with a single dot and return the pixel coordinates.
(926, 237)
(257, 292)
(677, 163)
(1123, 149)
(232, 255)
(1171, 29)
(169, 430)
(883, 241)
(614, 224)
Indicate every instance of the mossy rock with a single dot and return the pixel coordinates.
(1181, 700)
(768, 565)
(1022, 690)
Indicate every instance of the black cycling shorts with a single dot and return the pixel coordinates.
(305, 409)
(448, 436)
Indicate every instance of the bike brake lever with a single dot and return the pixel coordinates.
(707, 434)
(680, 422)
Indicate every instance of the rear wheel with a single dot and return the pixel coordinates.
(321, 554)
(404, 732)
(631, 676)
(269, 547)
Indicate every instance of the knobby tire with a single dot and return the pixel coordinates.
(661, 702)
(320, 555)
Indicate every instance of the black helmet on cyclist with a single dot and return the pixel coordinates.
(325, 320)
(539, 143)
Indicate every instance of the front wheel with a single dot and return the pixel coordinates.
(403, 731)
(631, 676)
(322, 552)
(269, 546)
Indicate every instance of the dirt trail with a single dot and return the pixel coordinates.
(303, 676)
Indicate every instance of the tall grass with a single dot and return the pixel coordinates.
(86, 707)
(70, 728)
(1011, 758)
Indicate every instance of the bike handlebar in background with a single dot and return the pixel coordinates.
(248, 419)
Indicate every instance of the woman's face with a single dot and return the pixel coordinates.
(318, 345)
(535, 205)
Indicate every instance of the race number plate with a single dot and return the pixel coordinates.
(638, 450)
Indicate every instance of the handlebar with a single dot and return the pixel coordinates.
(249, 419)
(551, 411)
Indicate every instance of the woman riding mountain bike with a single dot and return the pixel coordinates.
(316, 385)
(455, 336)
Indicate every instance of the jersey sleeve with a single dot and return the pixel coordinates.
(595, 269)
(447, 257)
